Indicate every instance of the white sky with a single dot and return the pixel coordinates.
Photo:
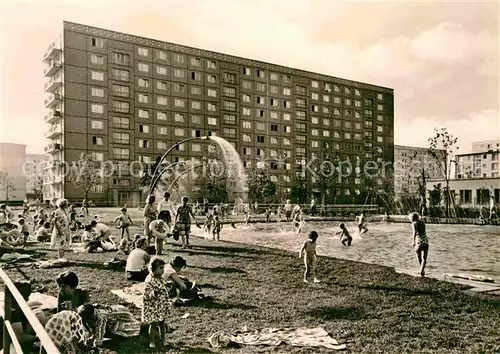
(441, 58)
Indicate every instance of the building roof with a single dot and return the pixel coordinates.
(119, 36)
(479, 153)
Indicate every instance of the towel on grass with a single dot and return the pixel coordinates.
(299, 337)
(36, 301)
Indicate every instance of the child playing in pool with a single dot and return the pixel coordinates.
(298, 221)
(361, 223)
(268, 215)
(420, 241)
(308, 250)
(247, 217)
(208, 224)
(155, 307)
(216, 229)
(345, 236)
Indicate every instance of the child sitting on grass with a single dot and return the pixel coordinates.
(42, 234)
(345, 236)
(155, 308)
(308, 250)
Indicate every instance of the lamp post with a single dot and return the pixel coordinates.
(154, 177)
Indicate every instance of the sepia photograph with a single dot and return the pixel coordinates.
(249, 176)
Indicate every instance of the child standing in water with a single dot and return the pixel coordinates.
(361, 223)
(345, 236)
(308, 250)
(420, 241)
(155, 302)
(217, 227)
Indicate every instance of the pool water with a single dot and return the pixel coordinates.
(463, 249)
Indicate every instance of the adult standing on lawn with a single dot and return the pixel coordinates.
(166, 210)
(61, 237)
(183, 221)
(149, 216)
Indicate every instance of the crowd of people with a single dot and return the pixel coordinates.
(90, 322)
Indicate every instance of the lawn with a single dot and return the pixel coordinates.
(369, 308)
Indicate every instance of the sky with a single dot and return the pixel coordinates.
(441, 58)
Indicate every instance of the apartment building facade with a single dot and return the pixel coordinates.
(413, 164)
(478, 165)
(127, 99)
(12, 159)
(35, 169)
(485, 145)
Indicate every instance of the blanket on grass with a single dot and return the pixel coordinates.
(36, 301)
(133, 295)
(299, 337)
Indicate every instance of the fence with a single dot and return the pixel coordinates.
(9, 336)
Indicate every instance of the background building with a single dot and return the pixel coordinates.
(486, 145)
(471, 192)
(481, 163)
(35, 169)
(411, 164)
(12, 158)
(125, 98)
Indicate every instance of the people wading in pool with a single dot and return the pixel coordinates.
(420, 241)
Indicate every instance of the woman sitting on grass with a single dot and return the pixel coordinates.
(137, 261)
(70, 297)
(69, 331)
(170, 273)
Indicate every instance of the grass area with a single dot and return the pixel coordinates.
(370, 308)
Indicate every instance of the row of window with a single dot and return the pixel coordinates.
(121, 58)
(123, 122)
(124, 107)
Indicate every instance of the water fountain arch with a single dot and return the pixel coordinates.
(233, 167)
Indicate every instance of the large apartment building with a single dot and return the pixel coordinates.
(125, 98)
(412, 166)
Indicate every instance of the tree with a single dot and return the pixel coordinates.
(260, 186)
(298, 192)
(436, 195)
(85, 173)
(324, 168)
(442, 147)
(6, 184)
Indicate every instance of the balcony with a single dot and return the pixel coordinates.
(53, 164)
(52, 100)
(53, 116)
(52, 68)
(52, 52)
(52, 147)
(53, 132)
(53, 84)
